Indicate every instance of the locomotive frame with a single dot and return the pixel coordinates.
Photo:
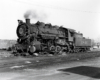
(46, 38)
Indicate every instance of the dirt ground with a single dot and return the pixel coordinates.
(37, 68)
(6, 56)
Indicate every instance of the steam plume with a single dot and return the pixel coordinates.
(32, 14)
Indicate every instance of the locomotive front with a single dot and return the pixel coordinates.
(26, 36)
(23, 28)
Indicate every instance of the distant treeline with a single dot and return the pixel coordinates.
(6, 43)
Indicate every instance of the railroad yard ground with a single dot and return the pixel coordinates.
(76, 66)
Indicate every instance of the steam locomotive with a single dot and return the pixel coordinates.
(47, 38)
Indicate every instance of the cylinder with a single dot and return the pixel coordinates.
(32, 49)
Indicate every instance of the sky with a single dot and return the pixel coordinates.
(81, 15)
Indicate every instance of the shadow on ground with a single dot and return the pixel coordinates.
(93, 72)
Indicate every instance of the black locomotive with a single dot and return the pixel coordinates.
(47, 38)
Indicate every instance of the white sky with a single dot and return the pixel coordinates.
(81, 15)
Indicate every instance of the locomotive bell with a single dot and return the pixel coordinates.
(28, 21)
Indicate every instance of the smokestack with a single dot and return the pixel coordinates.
(28, 21)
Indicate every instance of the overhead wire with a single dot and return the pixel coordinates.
(54, 7)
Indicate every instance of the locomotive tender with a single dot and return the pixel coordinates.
(47, 38)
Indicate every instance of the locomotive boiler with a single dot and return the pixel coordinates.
(47, 38)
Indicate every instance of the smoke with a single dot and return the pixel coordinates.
(33, 14)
